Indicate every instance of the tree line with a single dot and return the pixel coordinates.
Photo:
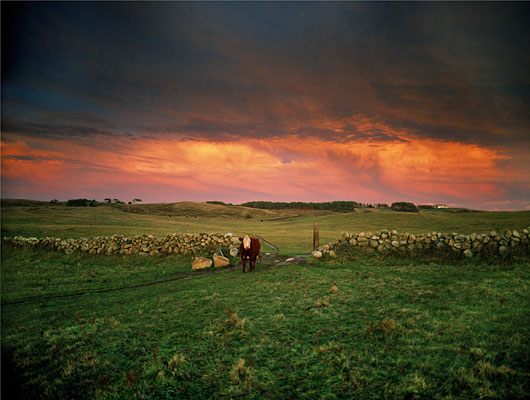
(341, 206)
(300, 205)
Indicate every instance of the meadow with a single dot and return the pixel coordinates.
(366, 326)
(290, 230)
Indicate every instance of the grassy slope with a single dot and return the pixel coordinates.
(370, 328)
(290, 230)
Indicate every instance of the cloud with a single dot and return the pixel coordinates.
(317, 169)
(366, 91)
(265, 70)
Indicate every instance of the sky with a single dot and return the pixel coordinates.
(374, 102)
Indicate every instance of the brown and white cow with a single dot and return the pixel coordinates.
(249, 250)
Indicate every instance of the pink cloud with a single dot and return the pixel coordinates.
(289, 168)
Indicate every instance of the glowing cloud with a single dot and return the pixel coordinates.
(289, 167)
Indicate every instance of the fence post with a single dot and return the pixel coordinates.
(315, 236)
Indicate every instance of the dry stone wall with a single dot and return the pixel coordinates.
(468, 245)
(187, 244)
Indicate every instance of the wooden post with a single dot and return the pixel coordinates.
(315, 236)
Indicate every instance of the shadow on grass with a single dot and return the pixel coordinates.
(13, 379)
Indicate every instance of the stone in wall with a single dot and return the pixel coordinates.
(316, 254)
(187, 244)
(468, 245)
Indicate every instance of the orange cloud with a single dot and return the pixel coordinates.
(288, 168)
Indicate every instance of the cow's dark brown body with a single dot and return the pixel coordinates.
(250, 254)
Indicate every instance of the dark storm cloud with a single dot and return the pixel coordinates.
(22, 158)
(52, 130)
(229, 70)
(86, 166)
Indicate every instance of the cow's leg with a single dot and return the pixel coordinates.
(244, 262)
(253, 263)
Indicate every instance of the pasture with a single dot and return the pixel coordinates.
(369, 327)
(290, 230)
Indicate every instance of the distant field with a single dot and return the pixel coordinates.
(290, 230)
(368, 328)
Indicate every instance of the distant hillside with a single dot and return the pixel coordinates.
(22, 203)
(185, 208)
(192, 209)
(256, 209)
(456, 210)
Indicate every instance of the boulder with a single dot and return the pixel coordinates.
(316, 254)
(234, 251)
(468, 253)
(201, 263)
(220, 261)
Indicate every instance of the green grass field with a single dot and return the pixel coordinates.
(368, 327)
(290, 230)
(371, 328)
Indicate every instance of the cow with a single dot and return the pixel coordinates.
(249, 250)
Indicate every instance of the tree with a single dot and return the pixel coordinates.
(78, 203)
(404, 206)
(219, 203)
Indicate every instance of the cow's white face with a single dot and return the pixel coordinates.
(246, 242)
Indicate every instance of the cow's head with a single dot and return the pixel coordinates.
(246, 242)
